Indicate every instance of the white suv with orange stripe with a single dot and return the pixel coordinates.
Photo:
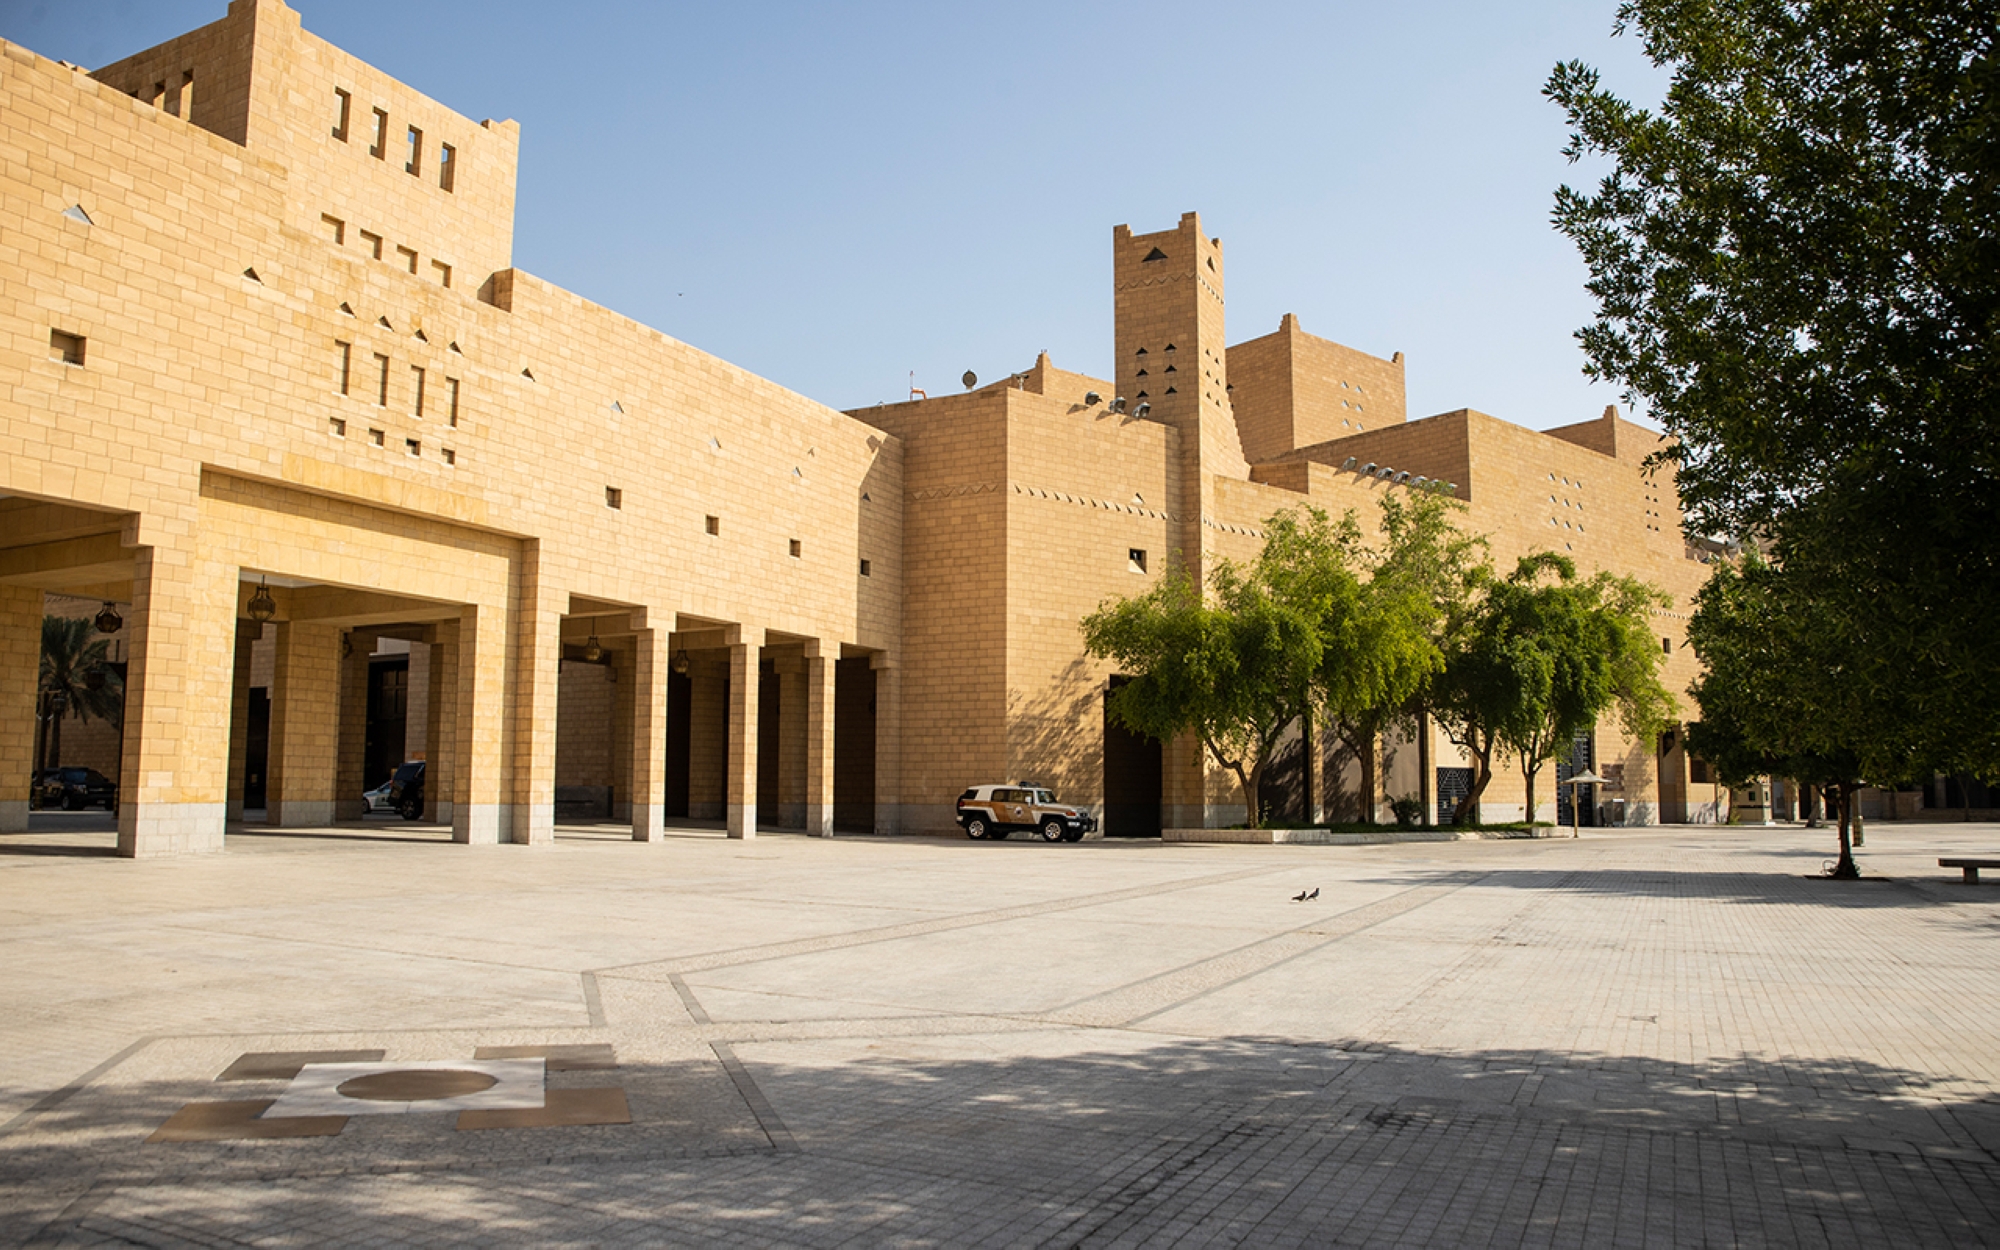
(996, 811)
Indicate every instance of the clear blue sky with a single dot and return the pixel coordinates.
(834, 195)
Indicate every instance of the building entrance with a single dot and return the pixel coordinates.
(1132, 777)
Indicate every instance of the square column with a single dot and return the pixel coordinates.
(173, 796)
(478, 740)
(440, 721)
(740, 801)
(820, 671)
(247, 634)
(352, 770)
(530, 812)
(648, 685)
(20, 674)
(888, 743)
(305, 725)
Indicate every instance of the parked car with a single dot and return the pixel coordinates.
(403, 793)
(74, 789)
(993, 812)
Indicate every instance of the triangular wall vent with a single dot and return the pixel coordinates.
(345, 309)
(75, 213)
(528, 373)
(384, 323)
(252, 275)
(454, 347)
(1156, 254)
(617, 407)
(421, 337)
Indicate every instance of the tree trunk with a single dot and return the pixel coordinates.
(1530, 772)
(1845, 870)
(1364, 750)
(1482, 774)
(52, 758)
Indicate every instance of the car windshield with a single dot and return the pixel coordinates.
(409, 772)
(76, 776)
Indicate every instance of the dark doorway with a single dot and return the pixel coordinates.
(854, 746)
(1453, 784)
(388, 709)
(769, 742)
(1582, 758)
(680, 741)
(1132, 777)
(257, 747)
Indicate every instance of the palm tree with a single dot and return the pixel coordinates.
(77, 677)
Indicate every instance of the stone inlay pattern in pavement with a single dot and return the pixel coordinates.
(1667, 1037)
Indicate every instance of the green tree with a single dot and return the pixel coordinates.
(76, 679)
(1378, 664)
(1235, 672)
(1779, 692)
(1544, 656)
(1797, 271)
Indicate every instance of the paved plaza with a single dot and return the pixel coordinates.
(1643, 1037)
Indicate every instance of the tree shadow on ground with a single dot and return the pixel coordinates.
(1766, 888)
(1039, 1136)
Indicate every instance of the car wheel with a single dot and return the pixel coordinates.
(1052, 830)
(412, 809)
(975, 827)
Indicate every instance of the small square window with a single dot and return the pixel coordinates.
(442, 272)
(412, 446)
(450, 456)
(67, 348)
(371, 243)
(613, 497)
(713, 524)
(336, 229)
(1135, 559)
(377, 437)
(408, 257)
(796, 548)
(867, 569)
(337, 427)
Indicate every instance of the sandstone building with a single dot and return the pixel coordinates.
(269, 378)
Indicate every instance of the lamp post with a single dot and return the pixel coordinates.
(1576, 797)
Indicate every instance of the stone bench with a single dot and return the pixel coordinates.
(1971, 867)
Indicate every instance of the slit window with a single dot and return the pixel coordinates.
(415, 165)
(447, 165)
(66, 347)
(613, 497)
(344, 356)
(451, 401)
(382, 381)
(712, 524)
(867, 569)
(380, 148)
(343, 104)
(797, 548)
(187, 93)
(417, 386)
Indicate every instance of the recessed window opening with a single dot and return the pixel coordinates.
(408, 257)
(379, 149)
(377, 437)
(1667, 646)
(417, 390)
(343, 103)
(187, 93)
(451, 401)
(66, 347)
(712, 524)
(867, 569)
(447, 165)
(450, 456)
(797, 548)
(371, 243)
(337, 426)
(336, 229)
(344, 353)
(442, 272)
(1135, 560)
(382, 380)
(412, 446)
(415, 165)
(613, 497)
(159, 97)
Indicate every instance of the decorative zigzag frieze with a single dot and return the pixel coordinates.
(953, 492)
(1227, 528)
(1084, 501)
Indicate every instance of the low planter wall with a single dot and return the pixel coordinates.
(1327, 837)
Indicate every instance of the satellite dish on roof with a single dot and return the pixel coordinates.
(970, 379)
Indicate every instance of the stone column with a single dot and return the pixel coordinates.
(20, 670)
(247, 634)
(479, 725)
(530, 814)
(648, 682)
(618, 741)
(305, 725)
(740, 802)
(440, 722)
(888, 743)
(351, 772)
(173, 796)
(821, 660)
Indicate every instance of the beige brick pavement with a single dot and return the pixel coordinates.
(1653, 1037)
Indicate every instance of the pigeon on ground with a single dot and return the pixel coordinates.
(1304, 897)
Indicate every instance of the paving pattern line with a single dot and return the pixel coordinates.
(1155, 995)
(739, 956)
(774, 1128)
(71, 1217)
(56, 1098)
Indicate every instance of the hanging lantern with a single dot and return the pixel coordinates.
(262, 606)
(108, 621)
(592, 652)
(681, 662)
